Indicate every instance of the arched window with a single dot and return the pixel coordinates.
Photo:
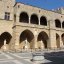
(57, 23)
(34, 19)
(24, 17)
(43, 21)
(63, 24)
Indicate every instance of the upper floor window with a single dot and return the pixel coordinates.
(57, 23)
(43, 21)
(24, 17)
(7, 16)
(34, 19)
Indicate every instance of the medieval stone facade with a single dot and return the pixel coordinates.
(27, 27)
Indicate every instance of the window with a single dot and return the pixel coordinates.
(24, 17)
(57, 23)
(7, 16)
(34, 19)
(18, 6)
(43, 21)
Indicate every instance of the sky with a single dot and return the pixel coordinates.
(45, 4)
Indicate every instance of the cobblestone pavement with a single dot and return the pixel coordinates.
(24, 58)
(10, 58)
(16, 58)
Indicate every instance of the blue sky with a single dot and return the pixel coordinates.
(46, 4)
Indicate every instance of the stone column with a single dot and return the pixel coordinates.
(17, 42)
(29, 19)
(52, 35)
(4, 42)
(26, 44)
(61, 43)
(35, 40)
(42, 45)
(17, 18)
(52, 40)
(4, 45)
(39, 21)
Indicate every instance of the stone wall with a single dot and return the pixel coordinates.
(39, 36)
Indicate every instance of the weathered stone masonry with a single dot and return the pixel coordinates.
(27, 27)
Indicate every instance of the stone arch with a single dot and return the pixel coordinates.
(57, 40)
(5, 36)
(57, 23)
(62, 36)
(63, 24)
(34, 19)
(28, 36)
(24, 17)
(43, 40)
(43, 21)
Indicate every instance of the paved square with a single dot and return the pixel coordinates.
(12, 58)
(24, 58)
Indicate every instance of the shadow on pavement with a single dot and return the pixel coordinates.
(55, 57)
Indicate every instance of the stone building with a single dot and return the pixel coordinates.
(23, 26)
